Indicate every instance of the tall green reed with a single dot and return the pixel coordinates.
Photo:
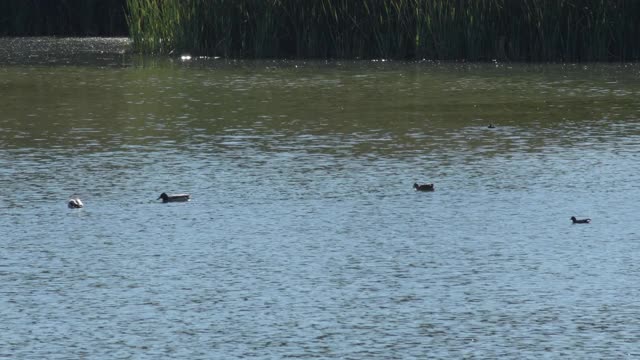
(523, 30)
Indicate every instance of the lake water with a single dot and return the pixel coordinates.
(304, 238)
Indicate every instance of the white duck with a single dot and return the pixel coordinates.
(75, 203)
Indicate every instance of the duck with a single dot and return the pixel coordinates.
(491, 126)
(174, 197)
(75, 203)
(580, 221)
(423, 187)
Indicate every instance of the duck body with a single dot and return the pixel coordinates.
(580, 221)
(75, 203)
(424, 187)
(174, 197)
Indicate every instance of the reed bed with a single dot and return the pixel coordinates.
(516, 30)
(475, 30)
(63, 18)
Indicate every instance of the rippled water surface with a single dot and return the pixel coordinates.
(304, 238)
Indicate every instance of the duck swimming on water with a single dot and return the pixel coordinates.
(580, 221)
(75, 203)
(423, 187)
(174, 197)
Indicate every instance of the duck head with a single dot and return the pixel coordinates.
(163, 196)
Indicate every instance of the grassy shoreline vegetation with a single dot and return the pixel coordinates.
(459, 30)
(63, 18)
(470, 30)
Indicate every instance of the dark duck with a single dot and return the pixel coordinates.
(423, 187)
(174, 197)
(580, 221)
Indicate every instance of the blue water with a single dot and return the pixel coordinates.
(304, 238)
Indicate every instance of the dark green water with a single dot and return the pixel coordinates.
(304, 238)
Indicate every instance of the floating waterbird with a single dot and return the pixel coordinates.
(491, 126)
(75, 203)
(174, 197)
(580, 221)
(423, 187)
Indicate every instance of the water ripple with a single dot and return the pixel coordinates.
(304, 238)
